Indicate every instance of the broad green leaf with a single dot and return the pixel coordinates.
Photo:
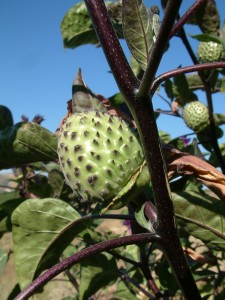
(219, 119)
(83, 98)
(57, 182)
(123, 292)
(207, 18)
(164, 136)
(6, 118)
(137, 29)
(96, 273)
(8, 202)
(3, 260)
(205, 137)
(181, 88)
(135, 66)
(195, 83)
(168, 85)
(77, 29)
(42, 229)
(202, 216)
(26, 143)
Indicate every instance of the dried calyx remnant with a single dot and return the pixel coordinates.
(98, 154)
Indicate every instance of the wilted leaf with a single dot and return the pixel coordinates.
(96, 273)
(137, 29)
(202, 216)
(83, 98)
(185, 164)
(42, 229)
(26, 143)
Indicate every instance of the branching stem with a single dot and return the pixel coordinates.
(81, 255)
(138, 100)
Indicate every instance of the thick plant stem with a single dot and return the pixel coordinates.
(139, 102)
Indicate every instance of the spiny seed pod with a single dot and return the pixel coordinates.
(210, 52)
(195, 115)
(98, 154)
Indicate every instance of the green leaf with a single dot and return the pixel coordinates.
(165, 136)
(207, 18)
(96, 272)
(181, 88)
(208, 38)
(83, 98)
(6, 118)
(219, 119)
(137, 183)
(117, 99)
(137, 29)
(168, 85)
(143, 221)
(202, 216)
(42, 229)
(26, 143)
(222, 89)
(123, 292)
(3, 260)
(77, 28)
(213, 159)
(8, 202)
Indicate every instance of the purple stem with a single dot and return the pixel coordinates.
(123, 74)
(138, 100)
(170, 15)
(184, 70)
(81, 255)
(186, 17)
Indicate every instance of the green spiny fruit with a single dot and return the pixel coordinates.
(98, 153)
(210, 52)
(195, 115)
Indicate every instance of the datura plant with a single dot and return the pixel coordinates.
(116, 207)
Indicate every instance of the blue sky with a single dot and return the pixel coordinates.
(36, 72)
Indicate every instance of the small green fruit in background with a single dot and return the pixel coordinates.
(195, 115)
(210, 52)
(99, 154)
